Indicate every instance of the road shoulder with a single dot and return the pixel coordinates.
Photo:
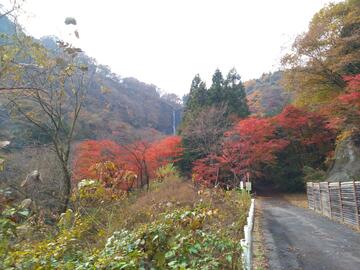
(260, 261)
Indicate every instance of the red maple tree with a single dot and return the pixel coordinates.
(142, 158)
(304, 127)
(248, 145)
(254, 143)
(91, 152)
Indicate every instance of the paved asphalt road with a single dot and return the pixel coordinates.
(297, 238)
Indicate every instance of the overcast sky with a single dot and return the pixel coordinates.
(166, 42)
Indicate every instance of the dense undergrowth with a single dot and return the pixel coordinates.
(173, 226)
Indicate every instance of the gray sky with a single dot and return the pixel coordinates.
(166, 42)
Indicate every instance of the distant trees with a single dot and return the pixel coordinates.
(266, 96)
(171, 98)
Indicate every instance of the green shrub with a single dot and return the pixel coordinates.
(60, 252)
(166, 171)
(178, 240)
(313, 175)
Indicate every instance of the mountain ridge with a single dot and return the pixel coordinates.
(112, 103)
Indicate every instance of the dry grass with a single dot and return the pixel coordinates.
(297, 199)
(139, 207)
(260, 261)
(143, 207)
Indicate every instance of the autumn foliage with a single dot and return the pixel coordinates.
(251, 143)
(91, 152)
(124, 166)
(344, 111)
(254, 144)
(303, 127)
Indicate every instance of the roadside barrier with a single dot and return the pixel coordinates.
(246, 243)
(337, 200)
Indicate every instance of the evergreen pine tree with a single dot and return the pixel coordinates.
(216, 91)
(198, 96)
(234, 95)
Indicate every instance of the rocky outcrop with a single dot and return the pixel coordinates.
(346, 166)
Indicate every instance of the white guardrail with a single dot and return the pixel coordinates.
(246, 243)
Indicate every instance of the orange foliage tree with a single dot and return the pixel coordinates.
(91, 152)
(141, 158)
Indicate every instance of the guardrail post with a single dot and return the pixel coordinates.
(341, 204)
(246, 243)
(356, 206)
(328, 187)
(321, 202)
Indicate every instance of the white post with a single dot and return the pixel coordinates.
(246, 243)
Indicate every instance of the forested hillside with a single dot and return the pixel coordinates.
(112, 104)
(266, 95)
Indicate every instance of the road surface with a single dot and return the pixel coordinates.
(297, 238)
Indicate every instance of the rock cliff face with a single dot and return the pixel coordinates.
(346, 166)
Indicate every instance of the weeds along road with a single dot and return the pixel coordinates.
(297, 238)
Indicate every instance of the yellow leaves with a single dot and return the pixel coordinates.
(212, 212)
(196, 224)
(343, 136)
(67, 219)
(39, 54)
(129, 175)
(6, 57)
(69, 70)
(31, 115)
(105, 90)
(2, 163)
(49, 253)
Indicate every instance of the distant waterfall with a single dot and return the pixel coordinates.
(174, 122)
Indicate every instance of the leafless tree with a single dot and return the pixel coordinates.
(49, 93)
(13, 6)
(204, 129)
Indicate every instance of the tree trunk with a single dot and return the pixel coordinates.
(67, 189)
